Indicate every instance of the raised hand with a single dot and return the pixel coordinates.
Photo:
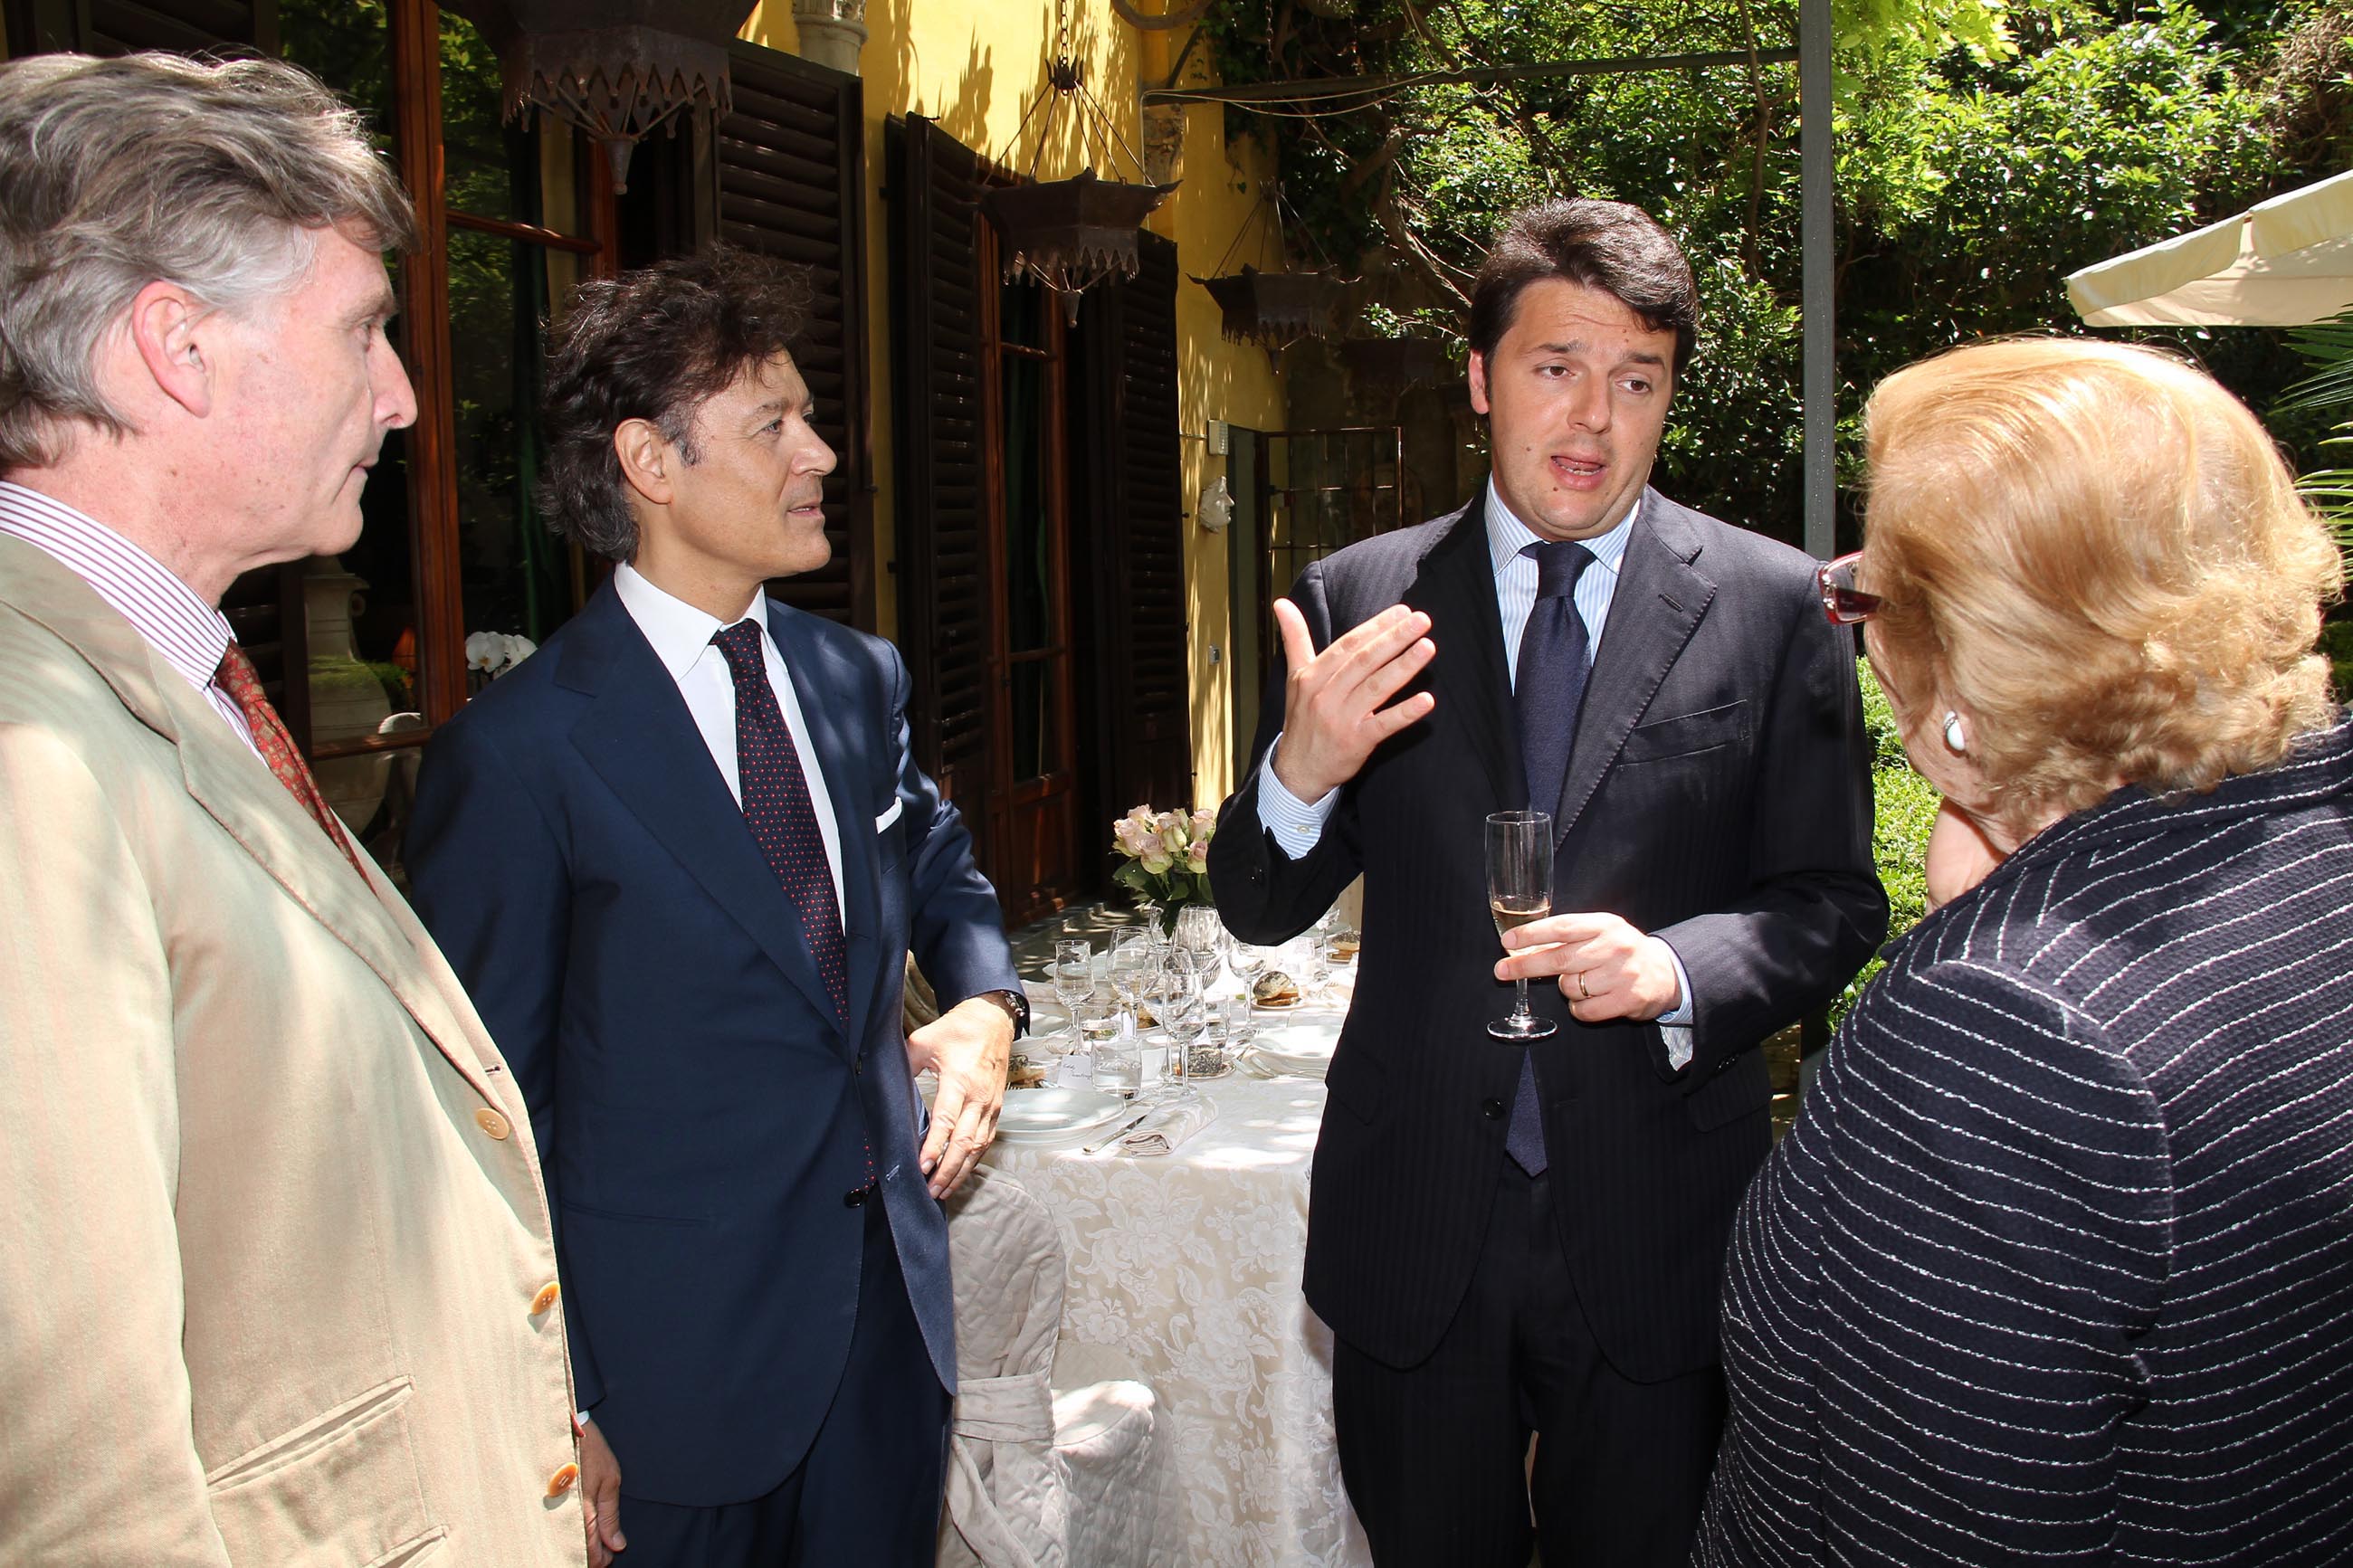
(1332, 712)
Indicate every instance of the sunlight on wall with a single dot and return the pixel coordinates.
(976, 67)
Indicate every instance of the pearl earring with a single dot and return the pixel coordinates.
(1954, 739)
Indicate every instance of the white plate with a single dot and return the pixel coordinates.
(1042, 1115)
(1300, 1043)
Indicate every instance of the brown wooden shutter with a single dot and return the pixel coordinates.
(792, 170)
(121, 27)
(1142, 700)
(944, 614)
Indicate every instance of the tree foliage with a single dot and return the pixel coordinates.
(1984, 152)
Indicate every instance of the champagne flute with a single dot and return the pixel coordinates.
(1074, 981)
(1519, 890)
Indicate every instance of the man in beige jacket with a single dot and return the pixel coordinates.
(276, 1280)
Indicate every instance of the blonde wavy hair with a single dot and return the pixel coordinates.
(2098, 553)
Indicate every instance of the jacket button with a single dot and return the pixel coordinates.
(562, 1480)
(492, 1122)
(853, 1197)
(1492, 1109)
(545, 1299)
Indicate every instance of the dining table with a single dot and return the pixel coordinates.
(1184, 1268)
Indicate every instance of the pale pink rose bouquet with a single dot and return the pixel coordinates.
(1166, 857)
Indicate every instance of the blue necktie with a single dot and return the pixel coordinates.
(777, 809)
(1548, 694)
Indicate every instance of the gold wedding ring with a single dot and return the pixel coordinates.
(1582, 993)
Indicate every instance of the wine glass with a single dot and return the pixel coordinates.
(1132, 962)
(1519, 890)
(1176, 999)
(1199, 932)
(1247, 961)
(1075, 980)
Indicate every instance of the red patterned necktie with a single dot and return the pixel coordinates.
(777, 809)
(236, 676)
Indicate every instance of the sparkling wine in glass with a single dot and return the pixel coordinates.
(1519, 890)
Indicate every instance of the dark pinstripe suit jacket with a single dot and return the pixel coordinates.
(1718, 794)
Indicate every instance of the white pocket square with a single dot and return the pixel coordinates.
(892, 816)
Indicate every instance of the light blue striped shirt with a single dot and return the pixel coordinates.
(1298, 825)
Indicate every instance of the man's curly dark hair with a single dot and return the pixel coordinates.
(652, 345)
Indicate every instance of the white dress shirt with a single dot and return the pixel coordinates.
(190, 634)
(680, 635)
(1298, 825)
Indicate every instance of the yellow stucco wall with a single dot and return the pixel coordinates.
(977, 67)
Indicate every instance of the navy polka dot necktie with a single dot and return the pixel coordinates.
(1547, 695)
(777, 809)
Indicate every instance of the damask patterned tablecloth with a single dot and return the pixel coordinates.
(1186, 1267)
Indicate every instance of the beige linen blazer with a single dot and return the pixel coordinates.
(275, 1277)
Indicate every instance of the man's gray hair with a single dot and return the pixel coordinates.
(219, 178)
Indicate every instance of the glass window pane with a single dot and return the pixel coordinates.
(1021, 315)
(516, 576)
(359, 609)
(491, 166)
(348, 45)
(1029, 531)
(1034, 747)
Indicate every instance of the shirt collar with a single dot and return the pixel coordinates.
(1507, 535)
(172, 617)
(679, 633)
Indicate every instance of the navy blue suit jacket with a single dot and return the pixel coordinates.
(699, 1110)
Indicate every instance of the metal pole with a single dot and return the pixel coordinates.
(1821, 384)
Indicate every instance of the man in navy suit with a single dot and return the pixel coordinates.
(1513, 1241)
(679, 858)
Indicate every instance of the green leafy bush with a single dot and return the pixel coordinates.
(1904, 808)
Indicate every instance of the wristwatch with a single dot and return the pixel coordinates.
(1016, 1006)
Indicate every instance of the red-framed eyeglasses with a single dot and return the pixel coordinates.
(1843, 601)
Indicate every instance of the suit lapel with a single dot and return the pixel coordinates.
(1456, 588)
(1660, 599)
(642, 740)
(826, 691)
(241, 795)
(238, 792)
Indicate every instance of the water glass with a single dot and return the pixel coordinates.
(1118, 1052)
(1075, 980)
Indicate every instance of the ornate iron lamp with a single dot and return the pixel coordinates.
(1275, 310)
(1070, 234)
(615, 69)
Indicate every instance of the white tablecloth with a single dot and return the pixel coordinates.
(1186, 1265)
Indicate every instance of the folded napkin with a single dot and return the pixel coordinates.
(1167, 1126)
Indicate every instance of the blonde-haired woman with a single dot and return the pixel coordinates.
(2058, 1262)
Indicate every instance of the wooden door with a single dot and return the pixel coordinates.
(1026, 577)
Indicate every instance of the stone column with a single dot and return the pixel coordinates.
(832, 32)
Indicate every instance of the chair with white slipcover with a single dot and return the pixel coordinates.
(1039, 1477)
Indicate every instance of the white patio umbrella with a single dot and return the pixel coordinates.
(2286, 262)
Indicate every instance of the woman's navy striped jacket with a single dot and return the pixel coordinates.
(2057, 1266)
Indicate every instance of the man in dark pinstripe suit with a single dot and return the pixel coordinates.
(1515, 1241)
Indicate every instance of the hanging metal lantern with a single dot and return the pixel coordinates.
(615, 69)
(1275, 310)
(1072, 233)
